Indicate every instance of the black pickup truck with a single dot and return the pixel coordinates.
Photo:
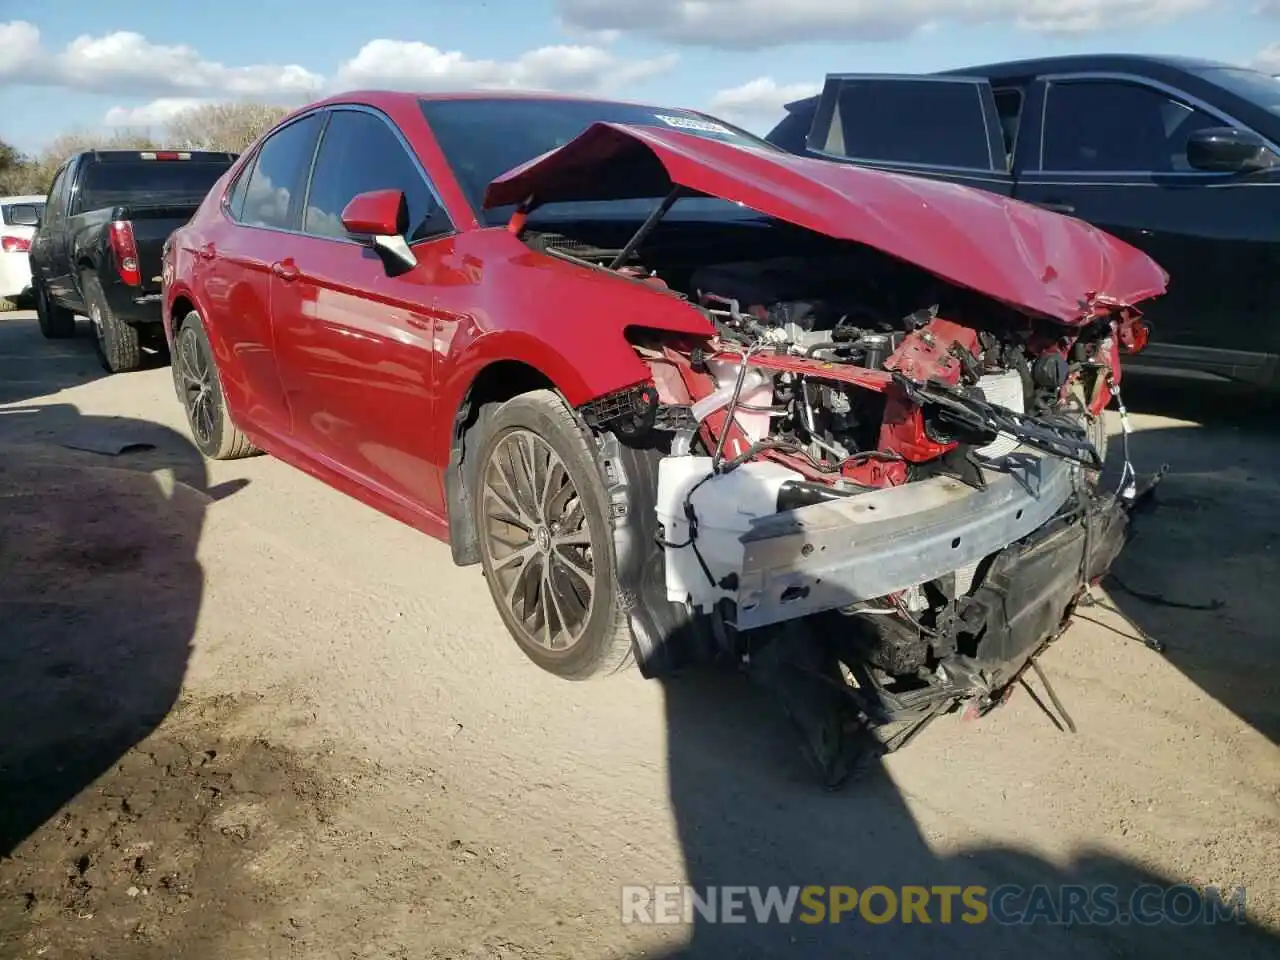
(1179, 157)
(97, 249)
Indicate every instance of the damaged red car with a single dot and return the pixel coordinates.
(681, 395)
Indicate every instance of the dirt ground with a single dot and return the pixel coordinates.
(243, 716)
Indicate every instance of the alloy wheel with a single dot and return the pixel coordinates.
(195, 377)
(535, 534)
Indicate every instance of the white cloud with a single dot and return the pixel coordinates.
(752, 24)
(127, 63)
(1268, 59)
(154, 114)
(602, 38)
(410, 65)
(760, 99)
(20, 42)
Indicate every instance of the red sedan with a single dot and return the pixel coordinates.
(680, 393)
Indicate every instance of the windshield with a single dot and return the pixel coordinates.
(115, 182)
(1260, 89)
(483, 139)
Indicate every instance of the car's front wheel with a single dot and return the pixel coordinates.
(546, 546)
(195, 376)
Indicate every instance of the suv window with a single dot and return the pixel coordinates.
(899, 120)
(359, 153)
(272, 197)
(1114, 126)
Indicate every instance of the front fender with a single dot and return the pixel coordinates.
(615, 366)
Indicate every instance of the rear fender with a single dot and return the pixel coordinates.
(175, 311)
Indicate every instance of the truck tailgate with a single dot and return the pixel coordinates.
(152, 224)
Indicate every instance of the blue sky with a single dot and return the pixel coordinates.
(85, 65)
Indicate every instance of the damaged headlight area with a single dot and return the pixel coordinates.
(881, 527)
(875, 482)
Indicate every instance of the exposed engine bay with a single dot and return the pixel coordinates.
(868, 475)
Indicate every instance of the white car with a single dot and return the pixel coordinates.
(18, 219)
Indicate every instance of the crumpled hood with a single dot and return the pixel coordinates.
(1037, 261)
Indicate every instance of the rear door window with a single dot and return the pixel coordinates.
(273, 197)
(361, 152)
(920, 121)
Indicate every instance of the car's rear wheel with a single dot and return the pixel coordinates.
(118, 344)
(195, 375)
(546, 545)
(56, 323)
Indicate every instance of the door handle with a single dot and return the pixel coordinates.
(1056, 206)
(285, 269)
(207, 252)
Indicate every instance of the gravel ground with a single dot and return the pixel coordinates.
(242, 715)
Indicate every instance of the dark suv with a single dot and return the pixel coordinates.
(1177, 156)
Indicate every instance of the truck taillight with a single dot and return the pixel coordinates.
(15, 244)
(126, 251)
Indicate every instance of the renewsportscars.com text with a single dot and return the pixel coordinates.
(1008, 904)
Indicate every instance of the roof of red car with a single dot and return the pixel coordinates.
(382, 97)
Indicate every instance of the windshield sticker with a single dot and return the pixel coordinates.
(689, 123)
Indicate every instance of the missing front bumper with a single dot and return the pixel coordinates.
(833, 554)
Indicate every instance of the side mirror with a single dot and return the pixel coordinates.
(383, 217)
(1228, 150)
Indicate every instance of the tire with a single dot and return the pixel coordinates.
(578, 640)
(118, 345)
(195, 376)
(1097, 427)
(56, 323)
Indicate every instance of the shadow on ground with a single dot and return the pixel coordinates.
(31, 366)
(99, 592)
(99, 583)
(743, 799)
(1199, 574)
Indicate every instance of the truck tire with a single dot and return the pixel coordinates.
(118, 344)
(545, 536)
(56, 323)
(195, 375)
